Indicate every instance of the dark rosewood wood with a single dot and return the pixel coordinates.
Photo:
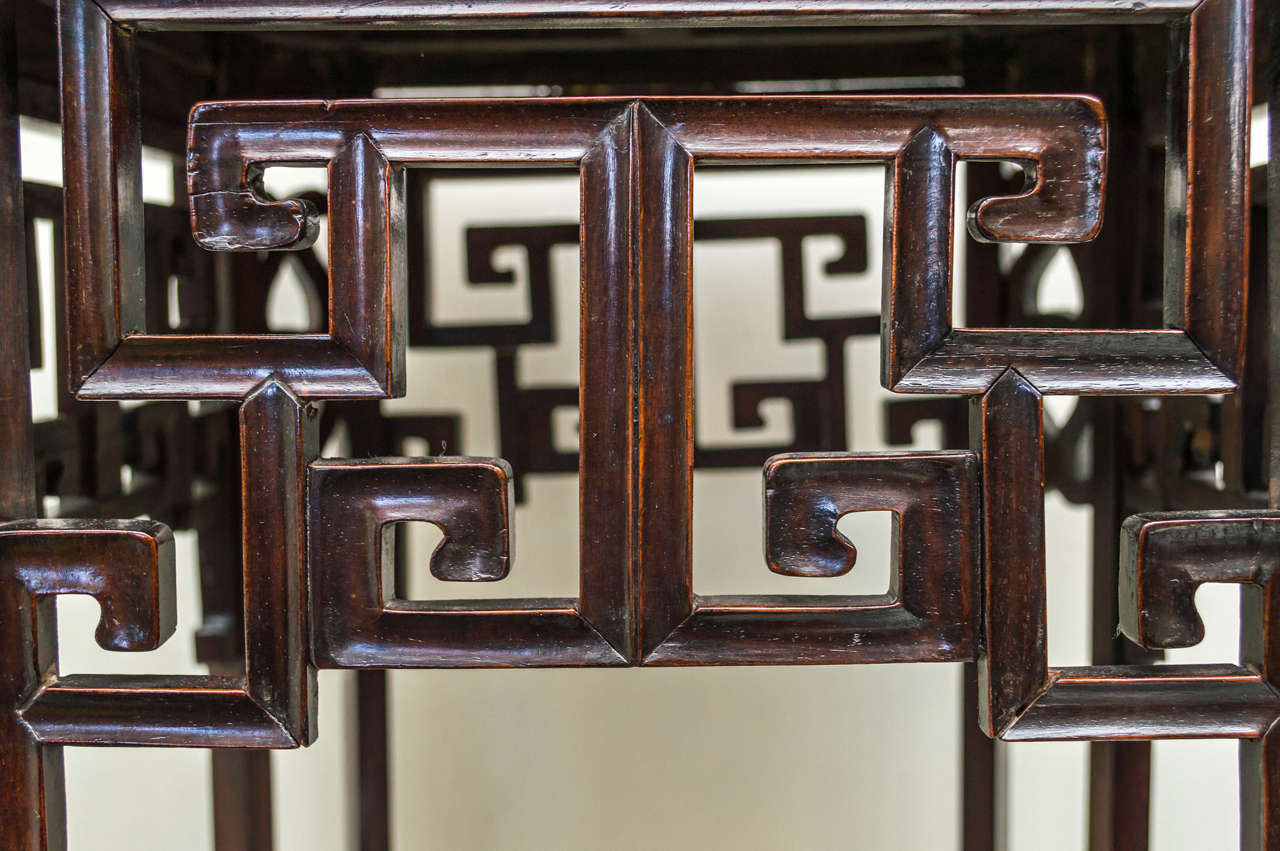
(663, 524)
(361, 622)
(32, 805)
(1155, 702)
(1207, 226)
(306, 573)
(17, 473)
(242, 807)
(128, 567)
(1165, 557)
(982, 814)
(272, 704)
(1024, 698)
(1260, 760)
(102, 172)
(671, 136)
(926, 614)
(1007, 428)
(1068, 362)
(157, 14)
(369, 786)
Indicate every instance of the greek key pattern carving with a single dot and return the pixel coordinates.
(296, 560)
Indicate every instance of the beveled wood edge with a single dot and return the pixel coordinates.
(503, 14)
(548, 633)
(85, 709)
(1098, 703)
(711, 636)
(970, 360)
(174, 367)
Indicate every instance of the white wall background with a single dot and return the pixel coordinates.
(724, 758)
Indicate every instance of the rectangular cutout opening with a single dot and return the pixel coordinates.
(786, 304)
(494, 316)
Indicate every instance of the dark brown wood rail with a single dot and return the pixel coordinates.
(159, 304)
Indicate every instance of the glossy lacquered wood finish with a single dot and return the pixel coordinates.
(272, 704)
(1006, 427)
(32, 803)
(672, 136)
(927, 613)
(232, 142)
(128, 568)
(1260, 759)
(17, 481)
(112, 354)
(1164, 557)
(361, 623)
(554, 13)
(969, 582)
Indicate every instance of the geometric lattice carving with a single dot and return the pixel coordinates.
(970, 525)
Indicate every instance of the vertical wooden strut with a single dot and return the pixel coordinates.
(308, 581)
(1260, 607)
(664, 467)
(32, 807)
(1008, 434)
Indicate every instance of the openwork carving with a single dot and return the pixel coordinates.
(818, 407)
(359, 621)
(271, 705)
(927, 614)
(310, 556)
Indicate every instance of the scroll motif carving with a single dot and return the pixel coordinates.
(309, 558)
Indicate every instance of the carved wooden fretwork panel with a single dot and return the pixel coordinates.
(298, 569)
